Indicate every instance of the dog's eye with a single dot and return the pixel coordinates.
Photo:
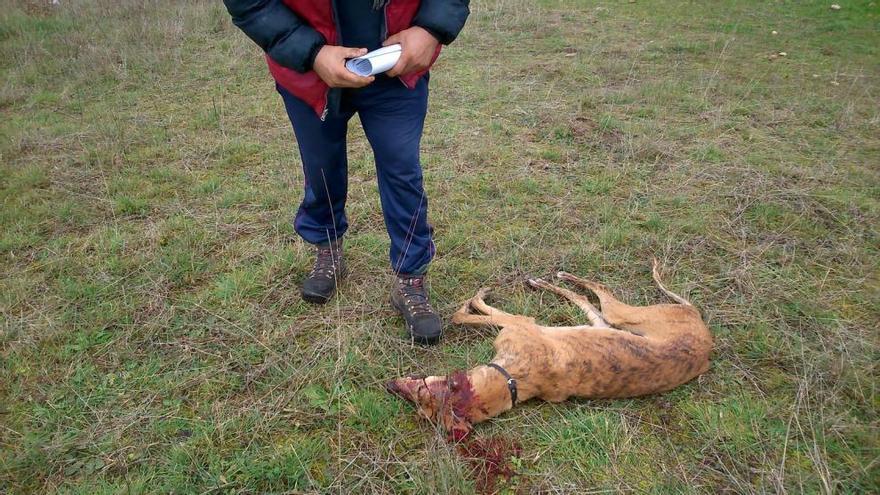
(422, 389)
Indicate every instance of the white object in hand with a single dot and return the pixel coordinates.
(375, 62)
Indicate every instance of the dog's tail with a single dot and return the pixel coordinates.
(656, 274)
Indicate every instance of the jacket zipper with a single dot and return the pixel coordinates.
(336, 24)
(385, 24)
(385, 34)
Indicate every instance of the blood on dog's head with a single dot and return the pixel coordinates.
(443, 399)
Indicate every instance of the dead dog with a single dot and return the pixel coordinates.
(626, 351)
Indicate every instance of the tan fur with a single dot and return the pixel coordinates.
(626, 351)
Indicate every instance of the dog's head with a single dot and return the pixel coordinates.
(440, 399)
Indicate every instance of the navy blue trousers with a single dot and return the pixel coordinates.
(392, 117)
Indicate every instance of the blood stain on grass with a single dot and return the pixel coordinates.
(490, 460)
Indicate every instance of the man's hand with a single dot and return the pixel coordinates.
(418, 46)
(330, 66)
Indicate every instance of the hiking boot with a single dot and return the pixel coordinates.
(320, 284)
(410, 299)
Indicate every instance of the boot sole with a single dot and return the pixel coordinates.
(420, 339)
(315, 298)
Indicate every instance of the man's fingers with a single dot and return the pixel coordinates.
(349, 79)
(360, 82)
(401, 67)
(396, 70)
(353, 52)
(348, 76)
(392, 40)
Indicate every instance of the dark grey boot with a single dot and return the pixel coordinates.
(410, 299)
(329, 269)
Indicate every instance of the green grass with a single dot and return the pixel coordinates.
(152, 338)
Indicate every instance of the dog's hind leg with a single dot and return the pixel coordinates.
(579, 300)
(641, 320)
(615, 312)
(612, 308)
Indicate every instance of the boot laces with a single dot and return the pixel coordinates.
(415, 296)
(326, 263)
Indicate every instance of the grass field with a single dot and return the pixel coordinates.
(153, 340)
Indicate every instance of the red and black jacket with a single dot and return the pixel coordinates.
(292, 31)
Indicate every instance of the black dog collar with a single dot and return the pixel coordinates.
(511, 383)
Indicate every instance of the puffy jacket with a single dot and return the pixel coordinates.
(291, 32)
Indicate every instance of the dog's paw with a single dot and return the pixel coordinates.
(536, 283)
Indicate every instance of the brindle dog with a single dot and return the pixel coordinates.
(626, 351)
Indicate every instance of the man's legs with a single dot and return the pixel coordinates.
(320, 219)
(321, 215)
(393, 117)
